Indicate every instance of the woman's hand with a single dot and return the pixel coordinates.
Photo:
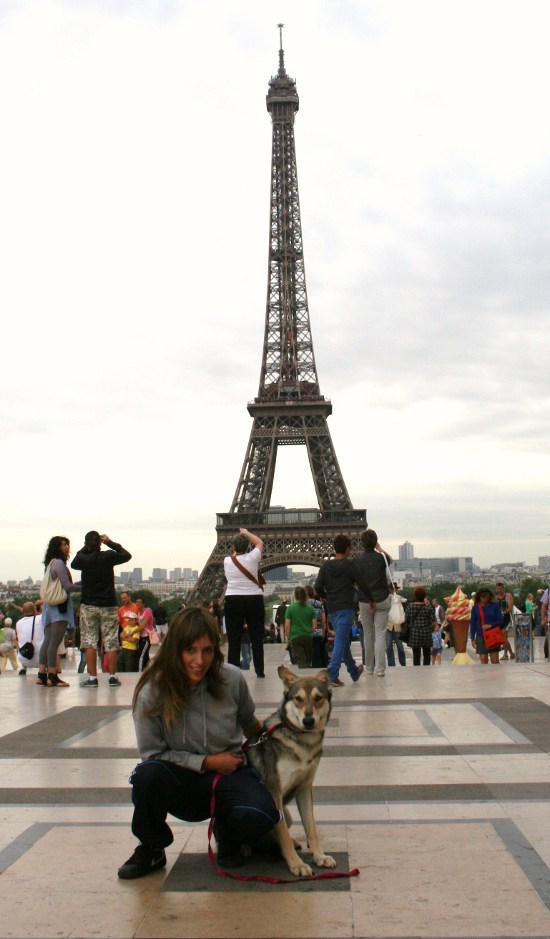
(223, 763)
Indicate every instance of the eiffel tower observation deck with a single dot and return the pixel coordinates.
(289, 409)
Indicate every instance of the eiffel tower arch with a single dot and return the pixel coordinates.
(289, 409)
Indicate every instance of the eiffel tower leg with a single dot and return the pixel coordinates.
(253, 492)
(327, 476)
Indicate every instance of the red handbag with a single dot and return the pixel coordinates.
(493, 637)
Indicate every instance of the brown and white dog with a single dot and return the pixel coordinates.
(287, 760)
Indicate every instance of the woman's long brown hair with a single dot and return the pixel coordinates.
(166, 674)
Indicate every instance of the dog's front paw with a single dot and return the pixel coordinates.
(301, 869)
(324, 860)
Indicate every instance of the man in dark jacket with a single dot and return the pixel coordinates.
(98, 610)
(336, 582)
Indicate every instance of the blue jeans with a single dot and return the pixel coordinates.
(342, 621)
(245, 655)
(391, 637)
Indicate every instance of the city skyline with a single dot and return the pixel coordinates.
(542, 563)
(134, 239)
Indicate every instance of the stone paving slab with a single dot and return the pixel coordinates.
(432, 780)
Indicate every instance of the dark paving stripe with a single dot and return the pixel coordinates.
(87, 796)
(454, 792)
(194, 873)
(414, 793)
(426, 750)
(525, 856)
(39, 739)
(527, 715)
(327, 795)
(23, 843)
(332, 752)
(90, 753)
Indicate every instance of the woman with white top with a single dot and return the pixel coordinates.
(244, 599)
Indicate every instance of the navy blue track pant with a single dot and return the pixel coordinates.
(244, 813)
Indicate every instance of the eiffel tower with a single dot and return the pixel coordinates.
(289, 409)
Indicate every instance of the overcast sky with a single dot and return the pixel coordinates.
(134, 217)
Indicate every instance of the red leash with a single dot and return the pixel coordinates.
(258, 877)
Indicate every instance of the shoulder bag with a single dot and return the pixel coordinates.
(396, 613)
(493, 636)
(51, 590)
(27, 649)
(259, 581)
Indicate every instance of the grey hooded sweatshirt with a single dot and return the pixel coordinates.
(206, 726)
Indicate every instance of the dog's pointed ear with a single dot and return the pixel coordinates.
(323, 676)
(286, 675)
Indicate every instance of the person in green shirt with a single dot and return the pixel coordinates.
(300, 623)
(531, 608)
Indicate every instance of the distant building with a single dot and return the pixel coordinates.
(406, 551)
(160, 574)
(137, 575)
(505, 566)
(435, 567)
(276, 573)
(544, 562)
(175, 574)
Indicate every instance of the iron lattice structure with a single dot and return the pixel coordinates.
(289, 409)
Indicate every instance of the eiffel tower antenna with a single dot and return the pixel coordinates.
(289, 409)
(280, 27)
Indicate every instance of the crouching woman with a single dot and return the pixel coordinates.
(190, 712)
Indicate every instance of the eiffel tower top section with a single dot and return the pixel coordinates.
(289, 409)
(289, 375)
(282, 97)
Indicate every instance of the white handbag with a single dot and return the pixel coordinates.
(396, 613)
(51, 590)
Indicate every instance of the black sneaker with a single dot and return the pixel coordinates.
(230, 855)
(143, 861)
(89, 683)
(114, 682)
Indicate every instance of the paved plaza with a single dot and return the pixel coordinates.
(435, 783)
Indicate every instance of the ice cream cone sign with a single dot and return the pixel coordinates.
(458, 605)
